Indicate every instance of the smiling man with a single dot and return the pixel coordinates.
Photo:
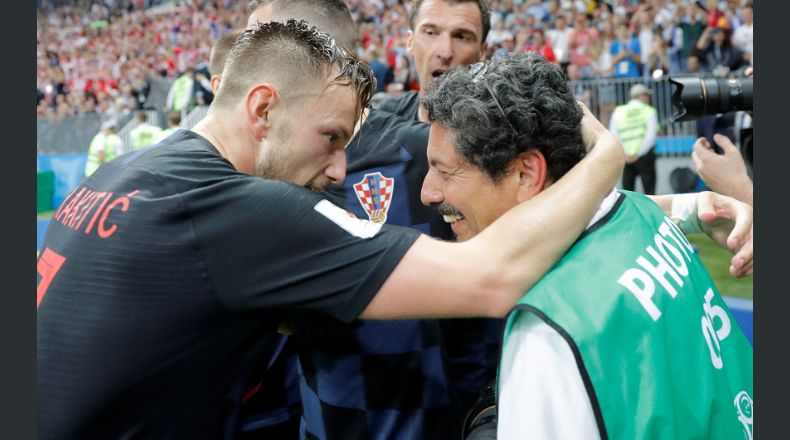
(588, 343)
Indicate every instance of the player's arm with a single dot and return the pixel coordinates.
(486, 275)
(726, 221)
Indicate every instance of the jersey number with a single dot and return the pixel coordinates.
(48, 266)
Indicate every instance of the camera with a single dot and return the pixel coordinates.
(694, 97)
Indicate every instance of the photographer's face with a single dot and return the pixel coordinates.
(465, 196)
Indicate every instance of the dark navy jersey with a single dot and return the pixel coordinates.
(387, 380)
(163, 277)
(406, 105)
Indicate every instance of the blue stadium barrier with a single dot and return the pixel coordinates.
(742, 311)
(41, 230)
(675, 145)
(68, 168)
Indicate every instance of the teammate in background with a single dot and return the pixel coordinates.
(171, 267)
(636, 125)
(219, 53)
(144, 134)
(104, 147)
(585, 353)
(173, 125)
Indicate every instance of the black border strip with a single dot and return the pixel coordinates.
(579, 362)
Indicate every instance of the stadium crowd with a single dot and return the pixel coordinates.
(119, 56)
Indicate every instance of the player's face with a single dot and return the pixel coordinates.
(467, 198)
(308, 138)
(445, 36)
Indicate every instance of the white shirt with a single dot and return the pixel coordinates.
(541, 392)
(743, 37)
(560, 42)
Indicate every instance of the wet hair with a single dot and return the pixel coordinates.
(485, 14)
(330, 16)
(291, 55)
(498, 110)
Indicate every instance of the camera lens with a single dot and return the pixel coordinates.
(694, 97)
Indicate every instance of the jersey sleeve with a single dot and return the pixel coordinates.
(272, 246)
(541, 392)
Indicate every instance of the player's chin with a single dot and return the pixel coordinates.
(316, 186)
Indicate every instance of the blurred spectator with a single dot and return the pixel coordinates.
(104, 147)
(625, 52)
(672, 34)
(693, 25)
(541, 46)
(743, 37)
(173, 123)
(385, 75)
(718, 56)
(658, 60)
(579, 44)
(560, 39)
(181, 96)
(643, 21)
(499, 34)
(125, 55)
(144, 134)
(158, 86)
(576, 86)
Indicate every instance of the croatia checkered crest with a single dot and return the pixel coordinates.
(374, 192)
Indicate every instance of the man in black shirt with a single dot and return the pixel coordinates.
(164, 275)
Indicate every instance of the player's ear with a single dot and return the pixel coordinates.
(260, 100)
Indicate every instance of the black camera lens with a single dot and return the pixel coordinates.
(694, 97)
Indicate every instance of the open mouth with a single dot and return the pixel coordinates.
(437, 73)
(452, 218)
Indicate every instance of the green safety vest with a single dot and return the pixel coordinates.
(631, 124)
(109, 141)
(144, 135)
(182, 93)
(659, 352)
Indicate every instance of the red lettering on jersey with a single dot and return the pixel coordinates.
(75, 213)
(63, 215)
(88, 207)
(105, 232)
(64, 204)
(48, 266)
(96, 214)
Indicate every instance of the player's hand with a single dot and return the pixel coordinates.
(592, 129)
(729, 223)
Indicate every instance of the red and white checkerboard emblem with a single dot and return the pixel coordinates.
(374, 192)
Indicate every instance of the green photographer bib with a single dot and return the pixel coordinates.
(659, 352)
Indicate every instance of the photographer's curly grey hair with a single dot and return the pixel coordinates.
(499, 110)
